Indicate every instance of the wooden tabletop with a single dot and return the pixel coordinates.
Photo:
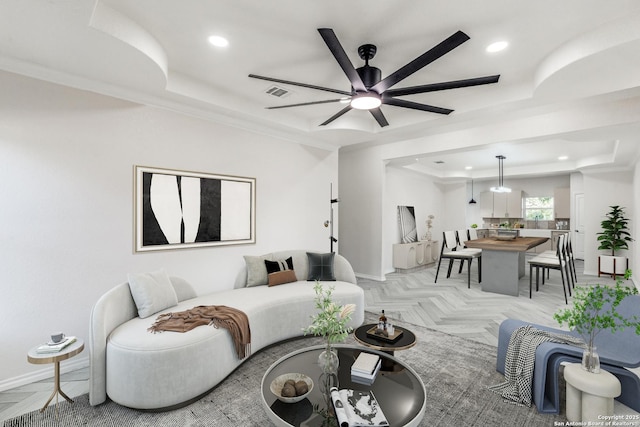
(519, 244)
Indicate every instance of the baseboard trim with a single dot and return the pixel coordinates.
(370, 277)
(43, 373)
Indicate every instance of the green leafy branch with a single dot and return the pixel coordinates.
(594, 310)
(332, 319)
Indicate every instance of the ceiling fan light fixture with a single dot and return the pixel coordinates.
(366, 101)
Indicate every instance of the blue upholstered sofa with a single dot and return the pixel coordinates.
(617, 351)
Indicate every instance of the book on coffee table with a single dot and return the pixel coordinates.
(366, 379)
(357, 408)
(365, 363)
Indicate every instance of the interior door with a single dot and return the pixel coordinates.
(578, 228)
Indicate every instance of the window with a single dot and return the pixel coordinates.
(540, 208)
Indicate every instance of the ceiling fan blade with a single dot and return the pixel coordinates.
(426, 58)
(326, 89)
(443, 86)
(415, 106)
(338, 52)
(335, 116)
(327, 101)
(380, 118)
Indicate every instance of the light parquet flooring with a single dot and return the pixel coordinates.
(449, 306)
(31, 397)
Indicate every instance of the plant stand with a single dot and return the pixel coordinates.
(612, 265)
(589, 396)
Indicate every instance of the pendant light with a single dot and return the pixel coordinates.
(500, 188)
(472, 201)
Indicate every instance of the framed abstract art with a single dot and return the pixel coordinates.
(180, 209)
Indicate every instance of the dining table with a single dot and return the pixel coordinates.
(503, 261)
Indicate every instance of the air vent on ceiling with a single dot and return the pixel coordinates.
(438, 162)
(278, 92)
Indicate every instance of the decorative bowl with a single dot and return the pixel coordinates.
(506, 237)
(278, 383)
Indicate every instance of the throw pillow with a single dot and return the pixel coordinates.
(281, 277)
(152, 292)
(321, 266)
(256, 270)
(273, 266)
(279, 272)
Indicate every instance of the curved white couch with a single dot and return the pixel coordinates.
(141, 370)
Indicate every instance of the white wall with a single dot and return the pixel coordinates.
(602, 190)
(405, 188)
(454, 207)
(66, 167)
(360, 213)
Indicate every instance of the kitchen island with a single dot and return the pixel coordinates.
(503, 262)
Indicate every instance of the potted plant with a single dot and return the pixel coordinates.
(614, 237)
(594, 310)
(331, 323)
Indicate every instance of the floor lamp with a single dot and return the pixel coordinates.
(328, 223)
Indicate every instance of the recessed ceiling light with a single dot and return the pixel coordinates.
(497, 46)
(563, 157)
(218, 41)
(468, 167)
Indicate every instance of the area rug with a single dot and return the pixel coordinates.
(455, 372)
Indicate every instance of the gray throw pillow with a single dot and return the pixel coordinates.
(321, 266)
(152, 292)
(256, 270)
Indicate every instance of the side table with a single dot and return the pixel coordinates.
(405, 341)
(589, 396)
(55, 358)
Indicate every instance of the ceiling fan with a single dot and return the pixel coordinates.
(369, 90)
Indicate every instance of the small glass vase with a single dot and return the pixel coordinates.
(328, 360)
(591, 360)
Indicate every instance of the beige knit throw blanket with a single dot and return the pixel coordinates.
(220, 316)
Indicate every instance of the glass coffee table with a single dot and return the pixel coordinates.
(400, 392)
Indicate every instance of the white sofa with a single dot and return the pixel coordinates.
(142, 370)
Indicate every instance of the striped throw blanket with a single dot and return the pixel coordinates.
(220, 316)
(520, 361)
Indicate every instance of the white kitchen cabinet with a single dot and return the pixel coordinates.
(501, 205)
(562, 202)
(486, 204)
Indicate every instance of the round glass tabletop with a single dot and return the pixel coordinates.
(400, 392)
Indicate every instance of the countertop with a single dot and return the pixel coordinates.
(519, 244)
